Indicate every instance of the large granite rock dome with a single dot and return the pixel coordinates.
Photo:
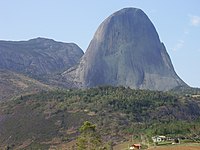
(126, 51)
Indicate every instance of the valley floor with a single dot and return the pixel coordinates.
(185, 147)
(189, 146)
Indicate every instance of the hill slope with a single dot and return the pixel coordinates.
(127, 51)
(57, 115)
(14, 84)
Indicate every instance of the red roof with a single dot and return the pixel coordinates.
(137, 145)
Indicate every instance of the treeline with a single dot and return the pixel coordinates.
(138, 103)
(185, 91)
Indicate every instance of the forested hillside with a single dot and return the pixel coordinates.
(40, 119)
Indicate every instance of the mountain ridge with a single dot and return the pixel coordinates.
(39, 56)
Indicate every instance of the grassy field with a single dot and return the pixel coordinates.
(181, 147)
(185, 146)
(125, 145)
(122, 146)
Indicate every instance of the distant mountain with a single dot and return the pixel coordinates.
(13, 84)
(126, 50)
(38, 56)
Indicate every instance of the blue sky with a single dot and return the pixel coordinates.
(177, 23)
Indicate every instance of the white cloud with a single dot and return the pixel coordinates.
(195, 20)
(179, 45)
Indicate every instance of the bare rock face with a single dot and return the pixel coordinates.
(38, 56)
(126, 51)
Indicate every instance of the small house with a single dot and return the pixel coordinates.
(158, 138)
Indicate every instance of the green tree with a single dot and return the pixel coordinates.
(89, 139)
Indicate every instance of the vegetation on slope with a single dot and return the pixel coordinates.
(14, 84)
(52, 117)
(187, 91)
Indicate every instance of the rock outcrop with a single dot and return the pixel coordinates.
(126, 51)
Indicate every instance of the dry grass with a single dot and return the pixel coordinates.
(13, 84)
(64, 146)
(176, 148)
